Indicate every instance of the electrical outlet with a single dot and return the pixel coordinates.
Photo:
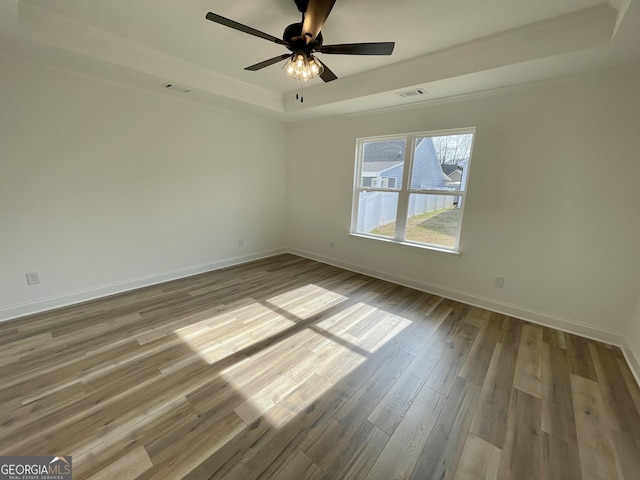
(499, 281)
(33, 278)
(241, 242)
(332, 244)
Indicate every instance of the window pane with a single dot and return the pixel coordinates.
(439, 163)
(382, 164)
(433, 219)
(377, 213)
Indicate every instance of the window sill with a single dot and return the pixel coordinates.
(434, 248)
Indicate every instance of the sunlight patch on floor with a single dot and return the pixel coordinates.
(305, 301)
(308, 364)
(234, 332)
(293, 347)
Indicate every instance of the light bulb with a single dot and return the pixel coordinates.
(303, 67)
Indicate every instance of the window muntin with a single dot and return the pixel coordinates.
(435, 165)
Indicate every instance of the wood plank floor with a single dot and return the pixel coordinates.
(286, 368)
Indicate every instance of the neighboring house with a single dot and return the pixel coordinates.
(427, 171)
(383, 163)
(463, 164)
(454, 172)
(379, 158)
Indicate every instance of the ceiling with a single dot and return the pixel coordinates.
(446, 48)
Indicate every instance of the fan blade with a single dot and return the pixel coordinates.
(327, 75)
(373, 48)
(243, 28)
(317, 13)
(269, 62)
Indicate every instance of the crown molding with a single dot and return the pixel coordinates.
(47, 27)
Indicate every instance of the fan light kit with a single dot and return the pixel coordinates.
(301, 67)
(303, 40)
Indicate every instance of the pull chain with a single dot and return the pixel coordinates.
(300, 91)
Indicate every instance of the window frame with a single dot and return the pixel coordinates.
(405, 191)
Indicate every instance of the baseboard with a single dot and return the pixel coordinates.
(50, 303)
(533, 316)
(632, 361)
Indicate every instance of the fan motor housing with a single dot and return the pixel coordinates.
(302, 5)
(293, 37)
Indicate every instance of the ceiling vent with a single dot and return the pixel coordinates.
(412, 93)
(176, 87)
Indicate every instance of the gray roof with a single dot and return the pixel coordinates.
(376, 167)
(448, 169)
(382, 155)
(384, 151)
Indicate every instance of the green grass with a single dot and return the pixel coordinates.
(436, 228)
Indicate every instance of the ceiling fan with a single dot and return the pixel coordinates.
(304, 39)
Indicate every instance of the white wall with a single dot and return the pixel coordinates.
(104, 188)
(552, 202)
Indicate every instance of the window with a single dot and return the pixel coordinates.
(411, 188)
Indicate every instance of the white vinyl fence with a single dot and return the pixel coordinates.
(379, 208)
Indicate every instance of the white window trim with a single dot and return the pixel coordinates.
(406, 190)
